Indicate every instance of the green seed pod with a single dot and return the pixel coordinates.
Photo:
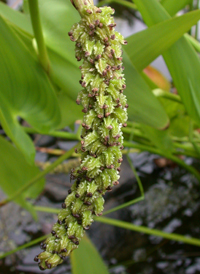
(105, 109)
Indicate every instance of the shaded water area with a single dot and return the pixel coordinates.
(172, 204)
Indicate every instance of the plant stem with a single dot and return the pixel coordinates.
(167, 95)
(134, 201)
(24, 246)
(39, 176)
(193, 41)
(46, 209)
(130, 226)
(150, 231)
(166, 155)
(37, 29)
(58, 134)
(191, 131)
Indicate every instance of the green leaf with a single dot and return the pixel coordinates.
(179, 126)
(181, 59)
(16, 18)
(65, 74)
(143, 47)
(143, 106)
(63, 70)
(159, 138)
(172, 7)
(70, 111)
(179, 120)
(15, 172)
(86, 259)
(25, 92)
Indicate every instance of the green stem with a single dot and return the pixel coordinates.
(166, 155)
(39, 176)
(24, 246)
(150, 231)
(37, 29)
(130, 226)
(191, 130)
(185, 149)
(193, 41)
(58, 134)
(47, 209)
(136, 176)
(167, 95)
(124, 205)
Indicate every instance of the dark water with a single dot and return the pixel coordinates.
(172, 204)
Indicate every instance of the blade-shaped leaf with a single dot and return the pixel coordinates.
(63, 70)
(25, 91)
(86, 259)
(181, 59)
(143, 106)
(143, 47)
(70, 111)
(159, 138)
(16, 18)
(15, 172)
(172, 7)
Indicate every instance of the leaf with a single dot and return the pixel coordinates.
(179, 126)
(171, 103)
(181, 59)
(143, 106)
(160, 139)
(25, 92)
(86, 259)
(143, 47)
(15, 172)
(172, 7)
(179, 120)
(65, 74)
(16, 18)
(70, 111)
(60, 66)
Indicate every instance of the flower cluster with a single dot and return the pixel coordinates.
(105, 107)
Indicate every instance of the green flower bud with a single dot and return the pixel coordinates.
(105, 109)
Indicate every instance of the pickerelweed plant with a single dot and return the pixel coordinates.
(105, 107)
